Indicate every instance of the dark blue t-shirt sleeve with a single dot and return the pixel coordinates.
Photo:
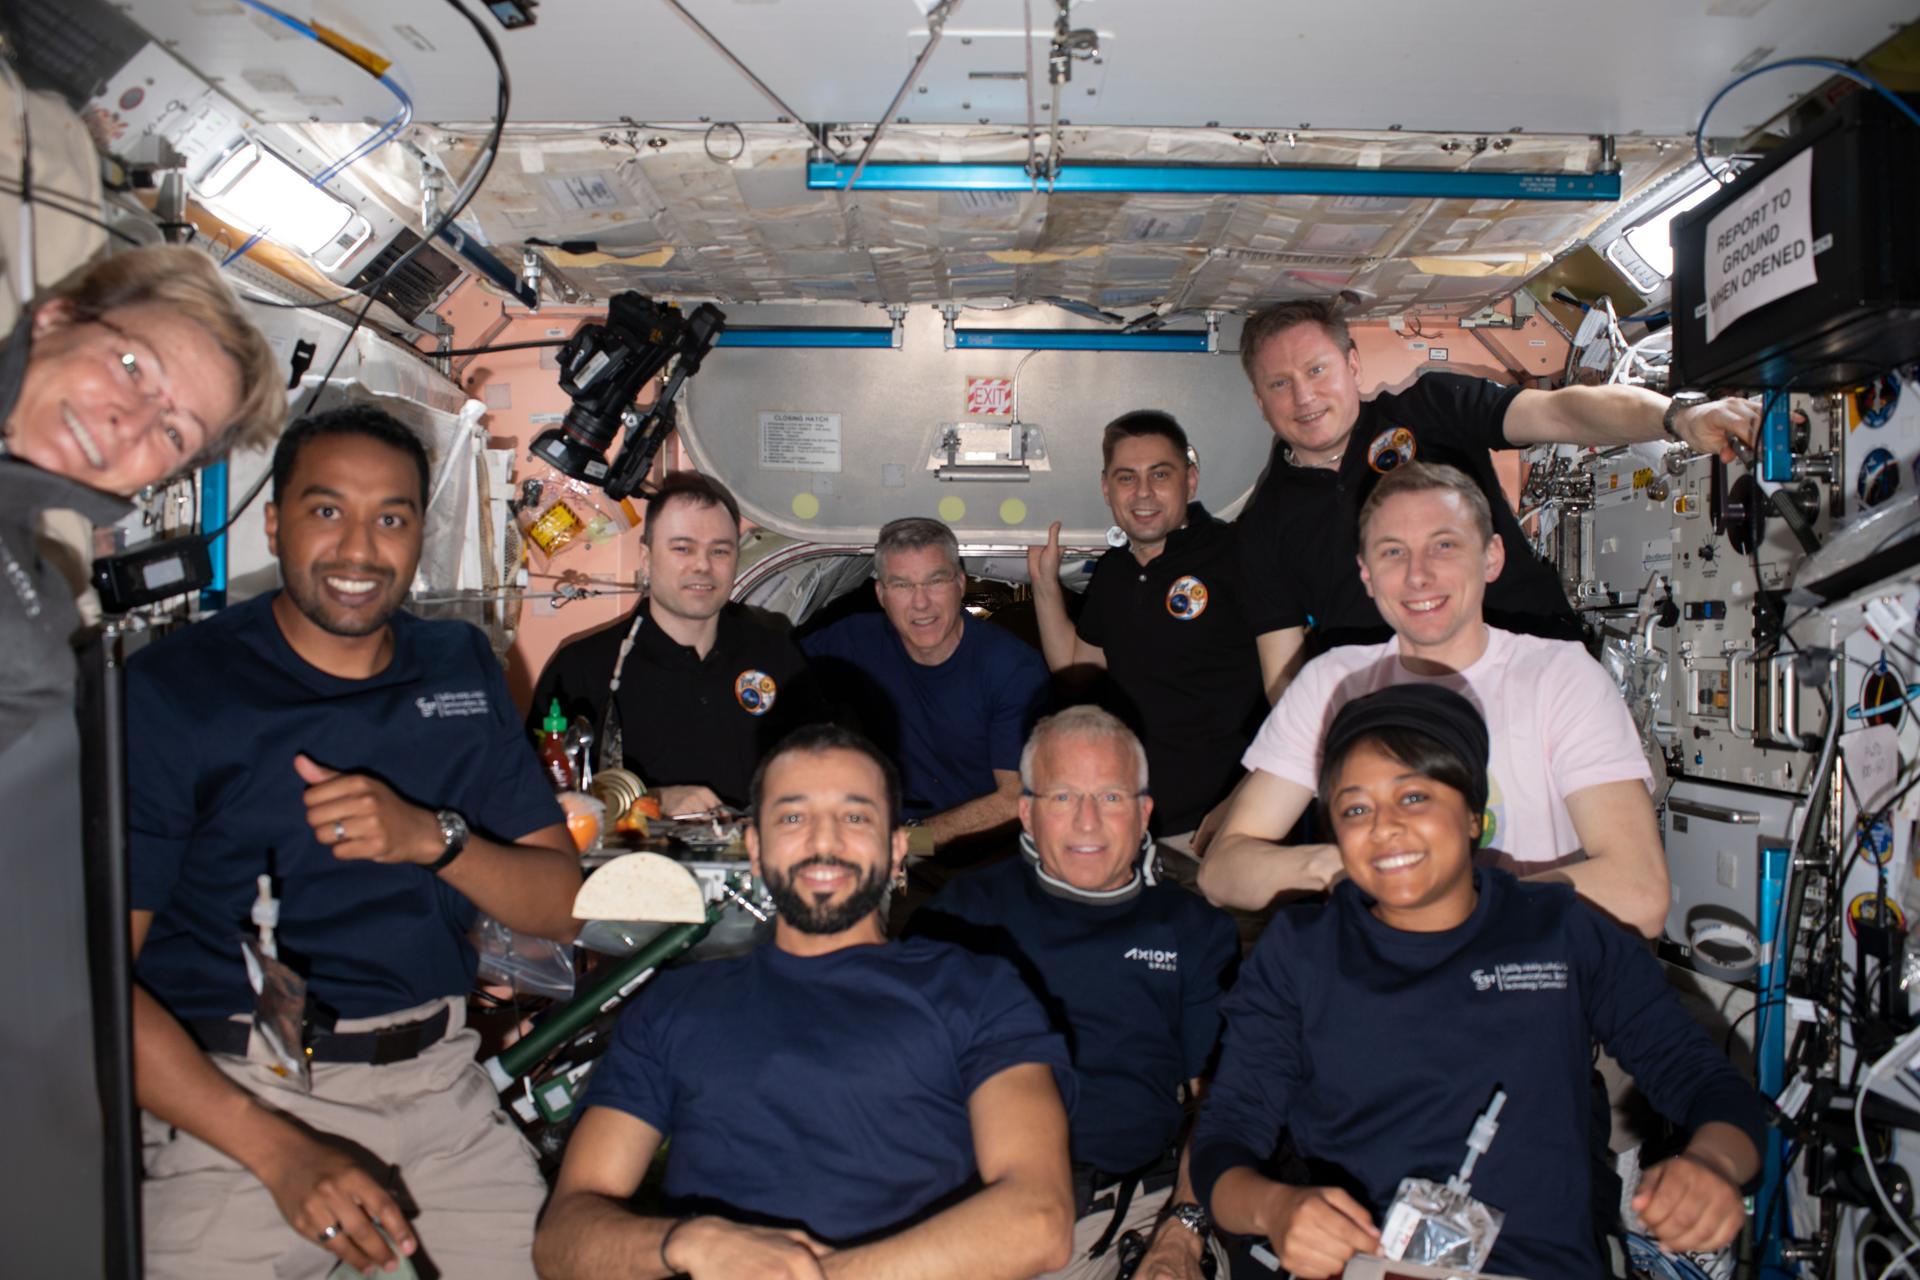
(1021, 684)
(632, 1074)
(161, 775)
(1459, 410)
(1216, 950)
(828, 642)
(1262, 1062)
(513, 798)
(1007, 1028)
(1635, 1014)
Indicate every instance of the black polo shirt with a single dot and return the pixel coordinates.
(1300, 533)
(1184, 665)
(687, 720)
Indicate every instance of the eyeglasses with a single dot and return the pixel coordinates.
(145, 379)
(902, 587)
(1067, 800)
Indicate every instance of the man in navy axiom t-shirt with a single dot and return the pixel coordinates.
(838, 1104)
(1133, 971)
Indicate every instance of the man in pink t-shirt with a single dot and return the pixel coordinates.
(1569, 784)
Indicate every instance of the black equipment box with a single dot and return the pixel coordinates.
(1862, 315)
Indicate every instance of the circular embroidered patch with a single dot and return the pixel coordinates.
(756, 692)
(1187, 598)
(1390, 448)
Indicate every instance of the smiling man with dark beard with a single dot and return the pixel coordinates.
(839, 1105)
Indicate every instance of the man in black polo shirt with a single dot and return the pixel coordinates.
(700, 690)
(1298, 532)
(1166, 616)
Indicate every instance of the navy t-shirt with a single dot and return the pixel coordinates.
(216, 713)
(1136, 986)
(948, 726)
(1300, 533)
(1376, 1049)
(823, 1092)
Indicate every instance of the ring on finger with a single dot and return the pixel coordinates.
(339, 832)
(326, 1236)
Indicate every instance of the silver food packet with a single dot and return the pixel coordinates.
(279, 1012)
(1438, 1225)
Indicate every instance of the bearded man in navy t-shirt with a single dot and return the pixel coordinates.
(838, 1104)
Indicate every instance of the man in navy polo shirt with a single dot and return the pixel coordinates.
(1166, 616)
(699, 689)
(950, 697)
(372, 765)
(839, 1105)
(1133, 971)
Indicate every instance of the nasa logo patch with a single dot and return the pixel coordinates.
(755, 691)
(1187, 598)
(1390, 448)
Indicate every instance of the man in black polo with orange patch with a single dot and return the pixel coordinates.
(1166, 616)
(700, 690)
(1299, 533)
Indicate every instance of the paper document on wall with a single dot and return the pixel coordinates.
(1760, 247)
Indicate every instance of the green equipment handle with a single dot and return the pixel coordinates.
(606, 994)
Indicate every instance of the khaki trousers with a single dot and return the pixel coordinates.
(430, 1129)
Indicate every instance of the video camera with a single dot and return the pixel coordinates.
(603, 368)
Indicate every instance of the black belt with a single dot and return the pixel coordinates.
(1095, 1190)
(379, 1048)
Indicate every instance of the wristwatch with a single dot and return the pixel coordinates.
(1192, 1217)
(453, 830)
(1681, 400)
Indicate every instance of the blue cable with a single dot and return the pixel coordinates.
(380, 138)
(1838, 68)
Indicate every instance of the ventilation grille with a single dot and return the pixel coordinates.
(417, 286)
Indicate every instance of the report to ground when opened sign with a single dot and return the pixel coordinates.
(1760, 248)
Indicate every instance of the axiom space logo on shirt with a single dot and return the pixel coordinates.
(451, 704)
(1164, 961)
(1532, 975)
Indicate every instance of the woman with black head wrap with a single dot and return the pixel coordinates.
(1376, 1026)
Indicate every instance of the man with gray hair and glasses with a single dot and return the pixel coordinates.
(1132, 971)
(947, 696)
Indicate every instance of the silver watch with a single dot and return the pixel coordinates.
(453, 832)
(1682, 400)
(1192, 1217)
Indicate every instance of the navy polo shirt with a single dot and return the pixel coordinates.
(686, 720)
(1374, 1048)
(1300, 534)
(948, 726)
(1184, 661)
(823, 1092)
(1136, 986)
(216, 713)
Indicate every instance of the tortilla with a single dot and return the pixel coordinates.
(641, 886)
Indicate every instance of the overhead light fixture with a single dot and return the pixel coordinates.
(256, 190)
(1220, 179)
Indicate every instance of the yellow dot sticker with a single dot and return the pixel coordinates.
(806, 506)
(1013, 511)
(952, 509)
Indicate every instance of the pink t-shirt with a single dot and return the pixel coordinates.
(1556, 722)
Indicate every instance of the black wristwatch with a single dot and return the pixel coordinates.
(453, 830)
(1681, 400)
(1192, 1217)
